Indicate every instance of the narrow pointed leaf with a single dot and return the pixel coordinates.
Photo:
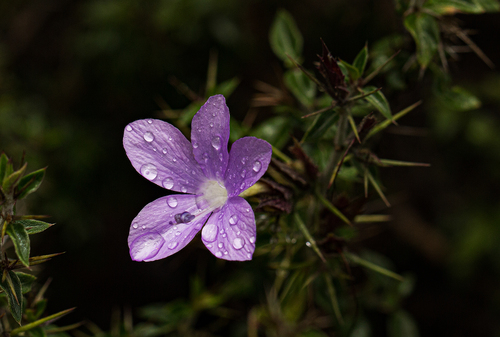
(333, 298)
(379, 69)
(11, 285)
(301, 86)
(379, 102)
(361, 59)
(377, 188)
(29, 183)
(352, 72)
(333, 209)
(382, 125)
(308, 237)
(12, 179)
(372, 266)
(353, 127)
(33, 226)
(226, 88)
(372, 218)
(389, 162)
(21, 241)
(3, 166)
(32, 325)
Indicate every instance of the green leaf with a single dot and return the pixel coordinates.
(401, 324)
(226, 88)
(301, 86)
(308, 237)
(360, 60)
(378, 100)
(381, 126)
(29, 326)
(352, 72)
(26, 281)
(322, 124)
(13, 179)
(3, 166)
(21, 241)
(285, 37)
(372, 266)
(29, 183)
(11, 285)
(275, 130)
(33, 226)
(458, 99)
(425, 31)
(450, 7)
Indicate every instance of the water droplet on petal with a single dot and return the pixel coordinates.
(243, 160)
(183, 189)
(135, 225)
(144, 227)
(220, 156)
(238, 243)
(169, 138)
(195, 145)
(224, 235)
(213, 114)
(164, 151)
(242, 186)
(128, 128)
(172, 245)
(205, 157)
(149, 171)
(211, 125)
(174, 160)
(172, 202)
(150, 121)
(168, 183)
(252, 239)
(209, 233)
(248, 210)
(148, 137)
(233, 219)
(216, 142)
(220, 245)
(146, 246)
(243, 173)
(249, 256)
(177, 233)
(256, 166)
(218, 254)
(308, 244)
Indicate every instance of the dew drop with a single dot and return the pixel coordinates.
(149, 171)
(146, 246)
(256, 166)
(213, 114)
(216, 142)
(218, 254)
(211, 125)
(233, 219)
(308, 244)
(209, 245)
(220, 156)
(243, 173)
(238, 243)
(225, 252)
(148, 137)
(172, 202)
(172, 245)
(249, 256)
(168, 183)
(248, 210)
(164, 151)
(177, 233)
(135, 225)
(220, 245)
(224, 235)
(242, 186)
(252, 239)
(128, 128)
(243, 160)
(169, 138)
(183, 189)
(209, 233)
(174, 160)
(205, 157)
(150, 121)
(195, 145)
(144, 227)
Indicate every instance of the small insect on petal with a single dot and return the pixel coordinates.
(184, 217)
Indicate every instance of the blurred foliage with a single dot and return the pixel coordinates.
(65, 95)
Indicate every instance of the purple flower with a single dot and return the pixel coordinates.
(210, 177)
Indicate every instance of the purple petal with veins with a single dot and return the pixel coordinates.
(248, 161)
(230, 233)
(210, 135)
(161, 154)
(155, 234)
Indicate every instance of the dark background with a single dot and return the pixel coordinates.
(74, 73)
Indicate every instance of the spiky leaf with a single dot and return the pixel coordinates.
(11, 285)
(29, 183)
(21, 241)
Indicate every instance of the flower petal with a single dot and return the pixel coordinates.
(248, 161)
(154, 233)
(161, 153)
(230, 233)
(210, 135)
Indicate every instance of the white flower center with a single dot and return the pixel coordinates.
(212, 195)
